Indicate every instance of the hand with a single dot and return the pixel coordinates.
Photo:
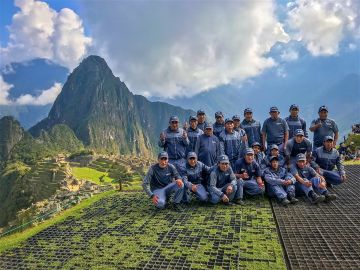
(186, 125)
(155, 199)
(322, 184)
(229, 189)
(162, 136)
(184, 135)
(244, 175)
(307, 183)
(318, 170)
(179, 183)
(194, 188)
(225, 199)
(287, 182)
(343, 178)
(260, 184)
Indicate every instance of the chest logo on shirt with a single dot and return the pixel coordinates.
(167, 174)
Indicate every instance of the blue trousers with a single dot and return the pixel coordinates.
(164, 193)
(315, 183)
(252, 188)
(280, 191)
(179, 164)
(201, 194)
(332, 177)
(214, 198)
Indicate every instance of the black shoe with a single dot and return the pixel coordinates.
(178, 207)
(228, 203)
(330, 197)
(239, 201)
(284, 202)
(316, 198)
(293, 200)
(328, 185)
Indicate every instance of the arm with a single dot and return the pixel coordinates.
(263, 138)
(272, 179)
(197, 146)
(315, 126)
(303, 126)
(146, 182)
(233, 178)
(340, 166)
(222, 146)
(336, 137)
(162, 140)
(286, 134)
(212, 185)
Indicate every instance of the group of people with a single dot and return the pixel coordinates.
(224, 161)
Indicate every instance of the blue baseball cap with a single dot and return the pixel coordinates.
(299, 132)
(223, 159)
(274, 146)
(323, 108)
(300, 157)
(163, 154)
(192, 117)
(248, 110)
(294, 106)
(256, 144)
(236, 117)
(217, 114)
(174, 118)
(191, 155)
(200, 112)
(228, 120)
(249, 151)
(273, 158)
(274, 109)
(208, 125)
(328, 138)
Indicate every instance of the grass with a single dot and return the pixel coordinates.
(124, 231)
(352, 162)
(14, 240)
(90, 174)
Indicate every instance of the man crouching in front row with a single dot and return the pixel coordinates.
(161, 181)
(223, 185)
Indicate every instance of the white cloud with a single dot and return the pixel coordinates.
(39, 31)
(4, 91)
(176, 48)
(289, 55)
(46, 97)
(322, 25)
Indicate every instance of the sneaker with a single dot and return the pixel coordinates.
(330, 197)
(178, 207)
(284, 202)
(239, 201)
(293, 200)
(316, 198)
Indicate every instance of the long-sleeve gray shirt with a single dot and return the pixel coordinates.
(277, 177)
(174, 144)
(219, 179)
(327, 160)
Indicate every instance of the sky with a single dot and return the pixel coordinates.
(175, 49)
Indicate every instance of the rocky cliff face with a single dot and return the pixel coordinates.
(10, 134)
(104, 114)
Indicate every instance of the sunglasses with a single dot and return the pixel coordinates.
(174, 122)
(192, 158)
(163, 158)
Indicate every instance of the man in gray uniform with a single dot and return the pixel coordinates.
(252, 127)
(259, 156)
(274, 152)
(219, 125)
(323, 126)
(175, 141)
(325, 159)
(223, 185)
(275, 130)
(201, 117)
(207, 147)
(237, 127)
(296, 145)
(193, 133)
(161, 181)
(295, 122)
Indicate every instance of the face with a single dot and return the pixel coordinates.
(301, 164)
(249, 158)
(201, 118)
(294, 112)
(192, 161)
(219, 119)
(223, 166)
(256, 149)
(248, 116)
(274, 152)
(193, 124)
(275, 164)
(328, 144)
(299, 138)
(229, 126)
(236, 123)
(163, 162)
(174, 125)
(208, 131)
(323, 114)
(274, 115)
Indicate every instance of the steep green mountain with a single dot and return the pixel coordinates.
(10, 134)
(105, 115)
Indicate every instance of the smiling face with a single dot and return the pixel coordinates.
(274, 164)
(256, 149)
(299, 138)
(163, 162)
(274, 152)
(249, 158)
(248, 116)
(323, 114)
(219, 119)
(192, 161)
(294, 112)
(223, 166)
(274, 115)
(208, 131)
(301, 164)
(201, 118)
(193, 124)
(236, 123)
(174, 125)
(328, 144)
(229, 126)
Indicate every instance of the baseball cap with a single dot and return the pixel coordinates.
(256, 144)
(228, 120)
(217, 114)
(163, 154)
(323, 108)
(236, 117)
(299, 132)
(300, 157)
(274, 146)
(208, 125)
(174, 119)
(223, 159)
(328, 138)
(192, 117)
(294, 106)
(249, 151)
(274, 157)
(191, 155)
(200, 112)
(274, 109)
(248, 110)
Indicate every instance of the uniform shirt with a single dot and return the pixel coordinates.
(241, 131)
(231, 145)
(175, 145)
(327, 160)
(260, 160)
(276, 177)
(202, 125)
(253, 169)
(253, 131)
(275, 130)
(292, 148)
(159, 177)
(218, 128)
(306, 173)
(219, 179)
(193, 135)
(295, 123)
(328, 128)
(196, 175)
(207, 149)
(281, 160)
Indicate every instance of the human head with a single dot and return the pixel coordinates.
(229, 125)
(201, 116)
(299, 135)
(249, 155)
(192, 158)
(193, 121)
(323, 112)
(248, 114)
(219, 117)
(224, 163)
(174, 122)
(163, 159)
(294, 110)
(208, 130)
(274, 112)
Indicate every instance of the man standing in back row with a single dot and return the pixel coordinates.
(201, 117)
(275, 130)
(252, 127)
(323, 127)
(295, 122)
